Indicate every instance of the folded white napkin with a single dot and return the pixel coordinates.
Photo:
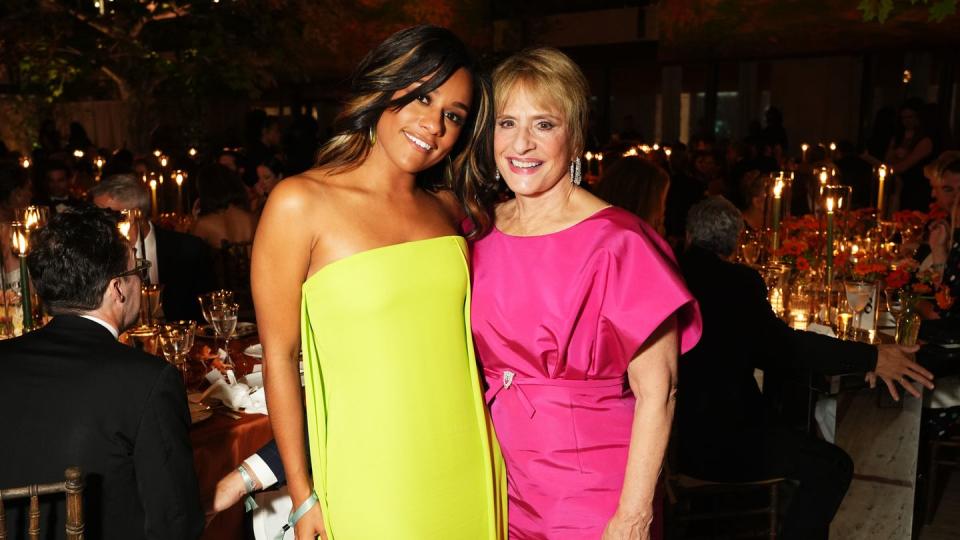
(239, 396)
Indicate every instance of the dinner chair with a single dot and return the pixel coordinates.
(683, 490)
(937, 461)
(72, 486)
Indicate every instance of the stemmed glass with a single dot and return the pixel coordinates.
(859, 294)
(223, 317)
(173, 341)
(749, 248)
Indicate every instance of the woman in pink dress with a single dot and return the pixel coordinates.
(578, 315)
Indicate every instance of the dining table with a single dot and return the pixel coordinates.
(221, 441)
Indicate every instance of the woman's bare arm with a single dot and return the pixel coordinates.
(281, 260)
(653, 379)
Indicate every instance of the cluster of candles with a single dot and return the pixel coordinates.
(28, 220)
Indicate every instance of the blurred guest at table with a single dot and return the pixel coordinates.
(911, 148)
(56, 186)
(882, 131)
(223, 211)
(269, 173)
(182, 263)
(267, 143)
(725, 430)
(856, 172)
(638, 186)
(367, 244)
(944, 238)
(754, 194)
(120, 162)
(84, 399)
(775, 134)
(15, 192)
(578, 316)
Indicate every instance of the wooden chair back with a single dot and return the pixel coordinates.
(72, 486)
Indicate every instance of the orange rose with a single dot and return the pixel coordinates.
(897, 278)
(944, 299)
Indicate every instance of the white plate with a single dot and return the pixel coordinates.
(255, 351)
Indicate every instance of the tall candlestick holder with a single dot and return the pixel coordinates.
(20, 244)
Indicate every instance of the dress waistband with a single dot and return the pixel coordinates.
(508, 379)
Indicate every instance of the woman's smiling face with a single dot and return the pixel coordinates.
(531, 143)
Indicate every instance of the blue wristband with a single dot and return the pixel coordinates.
(295, 517)
(248, 486)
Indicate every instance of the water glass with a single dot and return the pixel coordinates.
(223, 318)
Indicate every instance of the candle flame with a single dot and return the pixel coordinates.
(829, 205)
(192, 152)
(804, 147)
(823, 176)
(833, 146)
(588, 156)
(25, 162)
(124, 227)
(157, 153)
(179, 178)
(19, 243)
(882, 171)
(667, 151)
(656, 147)
(778, 188)
(153, 185)
(78, 154)
(599, 157)
(163, 161)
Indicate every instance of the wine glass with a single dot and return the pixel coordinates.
(895, 301)
(209, 299)
(859, 294)
(223, 317)
(750, 248)
(173, 339)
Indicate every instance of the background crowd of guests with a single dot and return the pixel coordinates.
(579, 312)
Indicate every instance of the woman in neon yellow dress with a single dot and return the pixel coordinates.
(361, 261)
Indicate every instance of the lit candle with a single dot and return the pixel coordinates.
(882, 175)
(667, 151)
(656, 147)
(20, 248)
(589, 157)
(823, 179)
(599, 164)
(157, 153)
(25, 162)
(829, 246)
(99, 163)
(78, 154)
(155, 212)
(803, 148)
(192, 152)
(777, 191)
(833, 149)
(798, 319)
(163, 161)
(645, 148)
(179, 176)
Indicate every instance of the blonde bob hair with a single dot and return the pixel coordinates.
(553, 79)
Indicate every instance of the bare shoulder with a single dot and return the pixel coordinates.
(296, 193)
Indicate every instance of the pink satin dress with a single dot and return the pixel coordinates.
(556, 320)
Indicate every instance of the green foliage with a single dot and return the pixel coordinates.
(880, 10)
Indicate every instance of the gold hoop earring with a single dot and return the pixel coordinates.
(372, 135)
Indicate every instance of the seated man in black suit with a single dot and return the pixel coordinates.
(182, 263)
(76, 396)
(723, 430)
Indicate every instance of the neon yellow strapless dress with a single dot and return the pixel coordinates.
(400, 441)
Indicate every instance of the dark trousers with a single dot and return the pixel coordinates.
(822, 471)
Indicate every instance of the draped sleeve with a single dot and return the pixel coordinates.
(643, 287)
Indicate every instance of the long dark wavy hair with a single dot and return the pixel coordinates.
(416, 54)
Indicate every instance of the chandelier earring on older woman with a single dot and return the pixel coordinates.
(575, 172)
